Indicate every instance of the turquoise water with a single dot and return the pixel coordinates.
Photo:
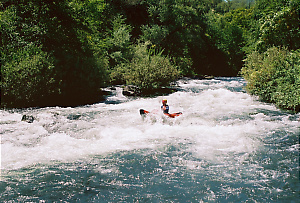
(226, 147)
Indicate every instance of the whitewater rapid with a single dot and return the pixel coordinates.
(219, 118)
(226, 146)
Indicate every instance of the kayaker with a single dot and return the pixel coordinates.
(165, 106)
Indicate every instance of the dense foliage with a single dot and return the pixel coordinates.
(272, 66)
(147, 69)
(50, 52)
(275, 76)
(61, 52)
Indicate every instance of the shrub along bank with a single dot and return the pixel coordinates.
(272, 64)
(275, 77)
(147, 69)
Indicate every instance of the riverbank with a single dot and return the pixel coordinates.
(81, 98)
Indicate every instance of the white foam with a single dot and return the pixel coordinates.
(216, 123)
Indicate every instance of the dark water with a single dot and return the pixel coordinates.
(226, 147)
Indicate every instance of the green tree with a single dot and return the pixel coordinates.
(119, 43)
(280, 28)
(178, 27)
(69, 36)
(228, 34)
(272, 65)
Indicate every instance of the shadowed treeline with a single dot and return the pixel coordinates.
(57, 52)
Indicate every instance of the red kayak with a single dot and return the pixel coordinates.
(171, 115)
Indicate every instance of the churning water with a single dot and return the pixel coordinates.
(226, 147)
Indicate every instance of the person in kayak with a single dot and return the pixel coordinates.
(165, 109)
(165, 106)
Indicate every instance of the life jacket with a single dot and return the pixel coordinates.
(165, 110)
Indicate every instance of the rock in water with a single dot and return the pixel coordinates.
(28, 119)
(74, 116)
(131, 90)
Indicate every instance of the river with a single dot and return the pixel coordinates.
(227, 146)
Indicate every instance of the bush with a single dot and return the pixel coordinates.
(275, 77)
(34, 78)
(147, 70)
(27, 80)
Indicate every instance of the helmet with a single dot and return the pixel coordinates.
(164, 101)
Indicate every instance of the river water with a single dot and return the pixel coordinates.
(226, 147)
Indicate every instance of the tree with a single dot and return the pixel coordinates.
(67, 42)
(279, 28)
